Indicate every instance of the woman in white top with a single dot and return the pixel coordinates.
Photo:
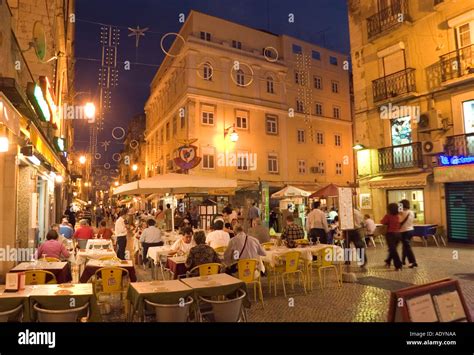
(406, 229)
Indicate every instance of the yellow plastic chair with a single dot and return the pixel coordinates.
(50, 259)
(220, 249)
(206, 269)
(110, 282)
(248, 273)
(290, 266)
(39, 277)
(325, 261)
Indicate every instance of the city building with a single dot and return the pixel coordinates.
(132, 162)
(268, 110)
(414, 108)
(36, 73)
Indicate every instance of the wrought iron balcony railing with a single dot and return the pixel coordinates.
(400, 157)
(457, 63)
(460, 145)
(387, 18)
(394, 85)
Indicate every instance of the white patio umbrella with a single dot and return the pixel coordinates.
(290, 191)
(177, 184)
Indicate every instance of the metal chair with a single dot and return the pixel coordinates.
(15, 314)
(63, 315)
(440, 234)
(379, 234)
(228, 310)
(82, 243)
(178, 312)
(39, 277)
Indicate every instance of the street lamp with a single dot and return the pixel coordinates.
(134, 167)
(358, 146)
(4, 144)
(234, 136)
(116, 183)
(82, 159)
(89, 110)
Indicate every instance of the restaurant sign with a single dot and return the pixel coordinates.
(455, 160)
(187, 157)
(35, 95)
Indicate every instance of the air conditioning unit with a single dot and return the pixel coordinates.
(432, 147)
(314, 170)
(430, 120)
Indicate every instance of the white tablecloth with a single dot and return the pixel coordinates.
(83, 256)
(99, 244)
(154, 253)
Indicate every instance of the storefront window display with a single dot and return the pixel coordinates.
(416, 198)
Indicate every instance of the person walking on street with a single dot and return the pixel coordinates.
(254, 212)
(121, 233)
(406, 229)
(356, 235)
(317, 224)
(392, 221)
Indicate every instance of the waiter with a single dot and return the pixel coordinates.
(121, 233)
(317, 224)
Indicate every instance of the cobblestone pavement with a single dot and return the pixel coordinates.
(354, 302)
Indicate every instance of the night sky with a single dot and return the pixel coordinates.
(322, 22)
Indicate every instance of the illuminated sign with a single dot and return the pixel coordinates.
(60, 144)
(455, 160)
(48, 94)
(187, 157)
(35, 95)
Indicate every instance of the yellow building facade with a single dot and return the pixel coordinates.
(288, 102)
(413, 118)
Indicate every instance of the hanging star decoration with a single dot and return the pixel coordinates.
(137, 32)
(105, 145)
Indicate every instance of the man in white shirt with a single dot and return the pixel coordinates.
(184, 244)
(317, 224)
(218, 238)
(332, 213)
(243, 246)
(151, 237)
(121, 233)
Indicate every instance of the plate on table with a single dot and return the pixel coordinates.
(63, 292)
(68, 285)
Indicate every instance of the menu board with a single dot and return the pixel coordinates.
(346, 216)
(439, 301)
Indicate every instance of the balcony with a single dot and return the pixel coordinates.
(393, 85)
(457, 64)
(460, 145)
(400, 157)
(387, 18)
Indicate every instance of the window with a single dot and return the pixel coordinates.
(175, 125)
(208, 158)
(318, 82)
(270, 85)
(333, 60)
(207, 71)
(301, 135)
(299, 106)
(272, 124)
(321, 167)
(297, 49)
(162, 135)
(302, 166)
(183, 120)
(316, 55)
(297, 77)
(464, 35)
(270, 54)
(335, 86)
(468, 114)
(319, 109)
(273, 163)
(241, 119)
(319, 138)
(242, 161)
(240, 77)
(206, 36)
(207, 116)
(337, 140)
(338, 168)
(167, 131)
(336, 112)
(237, 44)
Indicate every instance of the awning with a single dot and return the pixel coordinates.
(399, 181)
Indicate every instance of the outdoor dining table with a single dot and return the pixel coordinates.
(11, 300)
(176, 265)
(163, 292)
(216, 285)
(93, 265)
(306, 253)
(99, 244)
(423, 230)
(61, 270)
(63, 297)
(154, 253)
